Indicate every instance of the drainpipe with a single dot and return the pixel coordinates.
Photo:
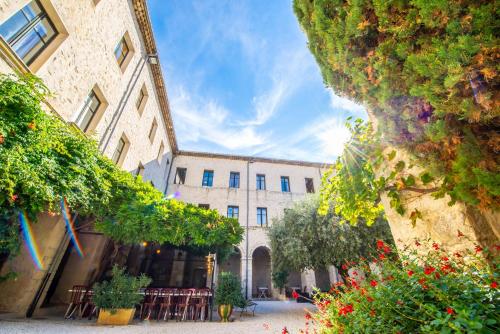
(168, 175)
(247, 226)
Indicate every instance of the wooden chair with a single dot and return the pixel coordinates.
(166, 303)
(200, 304)
(182, 304)
(77, 301)
(149, 302)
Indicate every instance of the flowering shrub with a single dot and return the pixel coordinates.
(416, 292)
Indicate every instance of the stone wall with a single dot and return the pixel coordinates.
(440, 221)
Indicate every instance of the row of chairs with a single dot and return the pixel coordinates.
(181, 304)
(159, 303)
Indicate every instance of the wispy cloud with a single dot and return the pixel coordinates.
(338, 102)
(200, 120)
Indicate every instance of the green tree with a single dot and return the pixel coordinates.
(304, 239)
(427, 71)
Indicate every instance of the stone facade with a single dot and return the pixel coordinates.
(80, 59)
(247, 198)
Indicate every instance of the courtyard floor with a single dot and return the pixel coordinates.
(270, 317)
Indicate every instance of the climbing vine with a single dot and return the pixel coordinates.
(43, 159)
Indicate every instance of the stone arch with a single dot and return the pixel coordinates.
(261, 269)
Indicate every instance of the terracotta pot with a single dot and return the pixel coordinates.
(123, 316)
(225, 312)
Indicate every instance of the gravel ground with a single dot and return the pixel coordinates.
(270, 317)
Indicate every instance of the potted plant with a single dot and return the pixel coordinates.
(228, 294)
(116, 299)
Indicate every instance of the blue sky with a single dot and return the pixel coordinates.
(241, 80)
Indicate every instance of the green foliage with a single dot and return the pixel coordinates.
(280, 278)
(417, 292)
(304, 239)
(427, 70)
(351, 186)
(43, 159)
(122, 291)
(228, 291)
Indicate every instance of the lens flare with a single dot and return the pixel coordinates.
(30, 240)
(174, 195)
(69, 224)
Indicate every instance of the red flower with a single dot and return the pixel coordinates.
(387, 249)
(308, 316)
(497, 247)
(295, 295)
(369, 299)
(372, 313)
(410, 272)
(284, 331)
(478, 249)
(381, 256)
(2, 139)
(437, 275)
(399, 302)
(373, 283)
(494, 285)
(429, 270)
(346, 309)
(380, 244)
(460, 234)
(417, 243)
(435, 246)
(449, 310)
(457, 254)
(13, 198)
(344, 267)
(445, 268)
(444, 258)
(355, 273)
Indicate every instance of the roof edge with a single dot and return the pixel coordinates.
(142, 16)
(253, 159)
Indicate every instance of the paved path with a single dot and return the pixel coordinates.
(270, 317)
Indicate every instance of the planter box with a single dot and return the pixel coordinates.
(123, 316)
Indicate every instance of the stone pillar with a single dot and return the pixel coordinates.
(178, 268)
(308, 280)
(246, 281)
(333, 274)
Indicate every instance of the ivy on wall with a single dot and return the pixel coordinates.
(43, 159)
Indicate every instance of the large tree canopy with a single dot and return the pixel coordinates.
(43, 159)
(304, 239)
(428, 72)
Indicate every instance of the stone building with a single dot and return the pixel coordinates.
(100, 59)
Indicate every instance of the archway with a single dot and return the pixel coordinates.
(261, 271)
(233, 263)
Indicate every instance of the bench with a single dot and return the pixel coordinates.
(249, 306)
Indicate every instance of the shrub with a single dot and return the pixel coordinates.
(228, 291)
(122, 291)
(417, 292)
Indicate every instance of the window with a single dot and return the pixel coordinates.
(160, 153)
(29, 31)
(234, 180)
(285, 184)
(121, 51)
(204, 206)
(141, 99)
(120, 151)
(89, 111)
(140, 170)
(208, 178)
(309, 185)
(180, 175)
(262, 216)
(152, 130)
(261, 182)
(233, 211)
